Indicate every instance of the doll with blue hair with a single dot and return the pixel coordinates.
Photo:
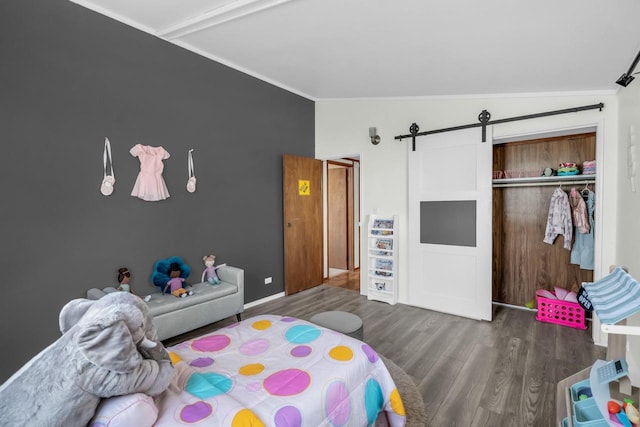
(170, 276)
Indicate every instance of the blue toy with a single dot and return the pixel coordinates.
(161, 272)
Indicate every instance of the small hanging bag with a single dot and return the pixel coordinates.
(108, 180)
(191, 182)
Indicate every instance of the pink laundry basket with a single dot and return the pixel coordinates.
(563, 313)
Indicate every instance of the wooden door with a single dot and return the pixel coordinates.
(450, 223)
(337, 217)
(303, 247)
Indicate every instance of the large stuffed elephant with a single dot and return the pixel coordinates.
(109, 347)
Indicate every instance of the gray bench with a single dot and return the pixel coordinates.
(209, 303)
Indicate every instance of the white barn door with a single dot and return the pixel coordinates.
(450, 223)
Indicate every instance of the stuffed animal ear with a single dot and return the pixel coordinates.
(72, 312)
(109, 347)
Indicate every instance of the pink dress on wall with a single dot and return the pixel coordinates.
(150, 185)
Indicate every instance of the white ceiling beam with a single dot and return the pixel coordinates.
(230, 11)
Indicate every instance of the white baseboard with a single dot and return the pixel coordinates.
(263, 300)
(519, 307)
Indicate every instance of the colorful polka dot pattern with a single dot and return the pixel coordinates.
(287, 382)
(373, 400)
(396, 403)
(209, 384)
(201, 362)
(246, 418)
(288, 416)
(196, 412)
(302, 334)
(261, 325)
(341, 353)
(254, 347)
(278, 371)
(211, 343)
(251, 369)
(337, 404)
(301, 351)
(174, 358)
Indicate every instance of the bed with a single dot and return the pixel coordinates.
(278, 371)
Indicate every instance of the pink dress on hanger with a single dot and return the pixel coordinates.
(150, 185)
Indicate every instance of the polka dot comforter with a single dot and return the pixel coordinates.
(278, 371)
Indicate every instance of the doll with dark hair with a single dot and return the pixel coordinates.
(124, 276)
(123, 279)
(175, 283)
(162, 268)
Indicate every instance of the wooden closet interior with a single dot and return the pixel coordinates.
(522, 263)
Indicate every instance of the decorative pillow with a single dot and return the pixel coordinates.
(615, 296)
(137, 410)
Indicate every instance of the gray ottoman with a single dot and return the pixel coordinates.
(340, 321)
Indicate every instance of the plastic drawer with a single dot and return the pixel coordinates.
(587, 414)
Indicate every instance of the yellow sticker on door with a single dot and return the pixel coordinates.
(304, 188)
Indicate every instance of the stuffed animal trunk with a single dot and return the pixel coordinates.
(109, 347)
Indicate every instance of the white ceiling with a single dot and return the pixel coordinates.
(345, 49)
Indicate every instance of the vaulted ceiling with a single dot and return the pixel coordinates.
(345, 49)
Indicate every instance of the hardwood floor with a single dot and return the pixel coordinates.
(470, 373)
(349, 280)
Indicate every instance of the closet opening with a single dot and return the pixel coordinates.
(522, 261)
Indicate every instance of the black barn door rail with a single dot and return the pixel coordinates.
(484, 119)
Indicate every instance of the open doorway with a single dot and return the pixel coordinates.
(342, 222)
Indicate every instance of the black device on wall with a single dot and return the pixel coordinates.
(627, 77)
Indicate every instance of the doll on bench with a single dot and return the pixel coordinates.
(176, 282)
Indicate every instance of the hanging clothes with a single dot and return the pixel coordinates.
(559, 219)
(583, 248)
(579, 212)
(149, 184)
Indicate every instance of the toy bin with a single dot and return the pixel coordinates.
(587, 414)
(581, 388)
(563, 313)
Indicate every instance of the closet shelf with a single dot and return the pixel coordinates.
(544, 180)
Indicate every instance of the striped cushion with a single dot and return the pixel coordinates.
(614, 297)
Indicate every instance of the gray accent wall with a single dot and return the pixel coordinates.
(68, 78)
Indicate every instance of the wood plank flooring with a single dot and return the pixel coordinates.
(470, 373)
(348, 280)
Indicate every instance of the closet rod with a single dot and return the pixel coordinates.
(543, 184)
(484, 119)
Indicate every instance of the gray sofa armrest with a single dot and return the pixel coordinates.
(95, 293)
(233, 275)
